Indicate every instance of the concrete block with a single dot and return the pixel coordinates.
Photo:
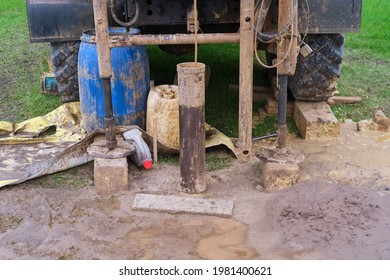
(111, 175)
(179, 204)
(315, 120)
(279, 175)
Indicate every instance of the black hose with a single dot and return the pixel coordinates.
(122, 23)
(261, 14)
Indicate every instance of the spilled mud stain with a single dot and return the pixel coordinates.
(382, 139)
(106, 205)
(142, 243)
(296, 255)
(226, 243)
(216, 239)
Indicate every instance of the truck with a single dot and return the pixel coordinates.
(319, 38)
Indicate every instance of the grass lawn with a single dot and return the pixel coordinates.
(366, 67)
(365, 71)
(21, 65)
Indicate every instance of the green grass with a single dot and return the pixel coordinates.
(214, 160)
(70, 179)
(366, 67)
(21, 65)
(365, 71)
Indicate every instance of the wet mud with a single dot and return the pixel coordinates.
(340, 209)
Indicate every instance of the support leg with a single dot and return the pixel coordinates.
(246, 80)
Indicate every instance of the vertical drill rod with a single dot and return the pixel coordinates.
(105, 68)
(287, 50)
(282, 106)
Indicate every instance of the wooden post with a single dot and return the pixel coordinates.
(246, 80)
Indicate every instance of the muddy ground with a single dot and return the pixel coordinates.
(340, 209)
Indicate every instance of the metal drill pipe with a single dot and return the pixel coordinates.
(173, 39)
(108, 115)
(102, 38)
(105, 67)
(287, 48)
(282, 107)
(191, 80)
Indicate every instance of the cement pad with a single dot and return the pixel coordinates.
(177, 204)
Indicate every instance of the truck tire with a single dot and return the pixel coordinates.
(64, 57)
(317, 75)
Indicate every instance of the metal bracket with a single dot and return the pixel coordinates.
(99, 149)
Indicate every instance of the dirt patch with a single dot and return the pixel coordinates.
(339, 210)
(342, 221)
(8, 222)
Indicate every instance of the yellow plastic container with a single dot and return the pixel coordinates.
(162, 115)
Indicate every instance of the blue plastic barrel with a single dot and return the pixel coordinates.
(129, 83)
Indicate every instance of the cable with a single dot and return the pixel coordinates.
(118, 21)
(261, 14)
(262, 18)
(196, 31)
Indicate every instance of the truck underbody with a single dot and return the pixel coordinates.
(65, 20)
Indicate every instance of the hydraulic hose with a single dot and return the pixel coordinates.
(122, 23)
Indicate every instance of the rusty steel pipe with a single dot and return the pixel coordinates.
(105, 68)
(102, 38)
(246, 80)
(282, 108)
(287, 48)
(173, 39)
(191, 80)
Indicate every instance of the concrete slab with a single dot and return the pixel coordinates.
(179, 204)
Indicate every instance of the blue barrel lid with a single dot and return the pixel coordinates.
(89, 35)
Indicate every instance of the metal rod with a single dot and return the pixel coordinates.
(105, 67)
(173, 39)
(155, 138)
(246, 80)
(108, 115)
(285, 46)
(191, 80)
(265, 137)
(102, 38)
(282, 107)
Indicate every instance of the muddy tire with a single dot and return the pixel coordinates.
(317, 74)
(64, 57)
